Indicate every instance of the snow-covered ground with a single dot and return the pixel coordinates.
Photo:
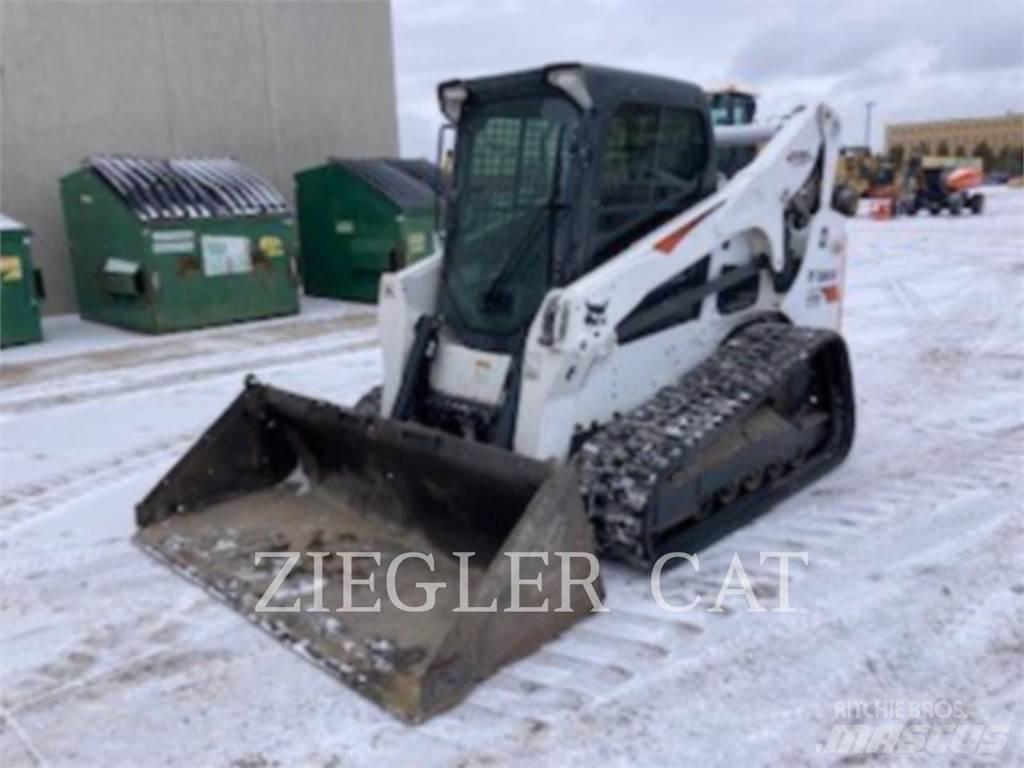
(914, 592)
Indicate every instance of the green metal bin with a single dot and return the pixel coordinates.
(161, 245)
(20, 286)
(360, 218)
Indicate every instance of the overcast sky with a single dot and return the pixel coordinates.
(916, 60)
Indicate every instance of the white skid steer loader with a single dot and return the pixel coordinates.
(617, 350)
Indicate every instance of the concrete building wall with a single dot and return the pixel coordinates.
(277, 85)
(1003, 131)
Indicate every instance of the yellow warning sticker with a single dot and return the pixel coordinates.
(272, 245)
(10, 269)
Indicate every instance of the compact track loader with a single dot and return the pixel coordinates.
(618, 349)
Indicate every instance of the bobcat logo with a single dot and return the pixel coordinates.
(595, 313)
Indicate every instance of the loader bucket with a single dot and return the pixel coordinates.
(278, 473)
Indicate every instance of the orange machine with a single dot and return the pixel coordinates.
(943, 183)
(960, 179)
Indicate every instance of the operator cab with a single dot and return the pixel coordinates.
(556, 170)
(733, 106)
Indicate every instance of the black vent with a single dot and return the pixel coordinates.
(187, 188)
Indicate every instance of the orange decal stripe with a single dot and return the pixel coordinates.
(668, 243)
(832, 293)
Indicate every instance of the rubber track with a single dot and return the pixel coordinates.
(621, 465)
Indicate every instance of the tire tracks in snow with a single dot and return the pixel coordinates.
(140, 351)
(27, 502)
(164, 380)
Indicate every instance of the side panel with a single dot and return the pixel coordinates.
(315, 227)
(99, 228)
(574, 389)
(240, 269)
(404, 297)
(366, 230)
(816, 298)
(19, 307)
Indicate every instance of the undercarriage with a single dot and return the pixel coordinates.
(764, 416)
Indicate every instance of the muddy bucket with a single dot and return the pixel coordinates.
(296, 512)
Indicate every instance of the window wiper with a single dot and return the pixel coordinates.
(512, 264)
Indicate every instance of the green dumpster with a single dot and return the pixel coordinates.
(162, 245)
(359, 218)
(20, 286)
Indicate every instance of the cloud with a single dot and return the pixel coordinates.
(915, 59)
(986, 41)
(951, 37)
(808, 45)
(868, 78)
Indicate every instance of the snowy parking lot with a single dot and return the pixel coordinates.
(914, 591)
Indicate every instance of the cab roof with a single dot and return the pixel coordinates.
(606, 86)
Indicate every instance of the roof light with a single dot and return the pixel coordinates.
(570, 80)
(452, 95)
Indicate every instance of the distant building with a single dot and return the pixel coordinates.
(963, 137)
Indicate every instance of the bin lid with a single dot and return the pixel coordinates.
(7, 224)
(403, 189)
(187, 188)
(421, 169)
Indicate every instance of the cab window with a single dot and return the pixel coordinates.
(651, 168)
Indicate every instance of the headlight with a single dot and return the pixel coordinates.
(452, 96)
(570, 80)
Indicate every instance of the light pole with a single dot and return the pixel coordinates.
(867, 124)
